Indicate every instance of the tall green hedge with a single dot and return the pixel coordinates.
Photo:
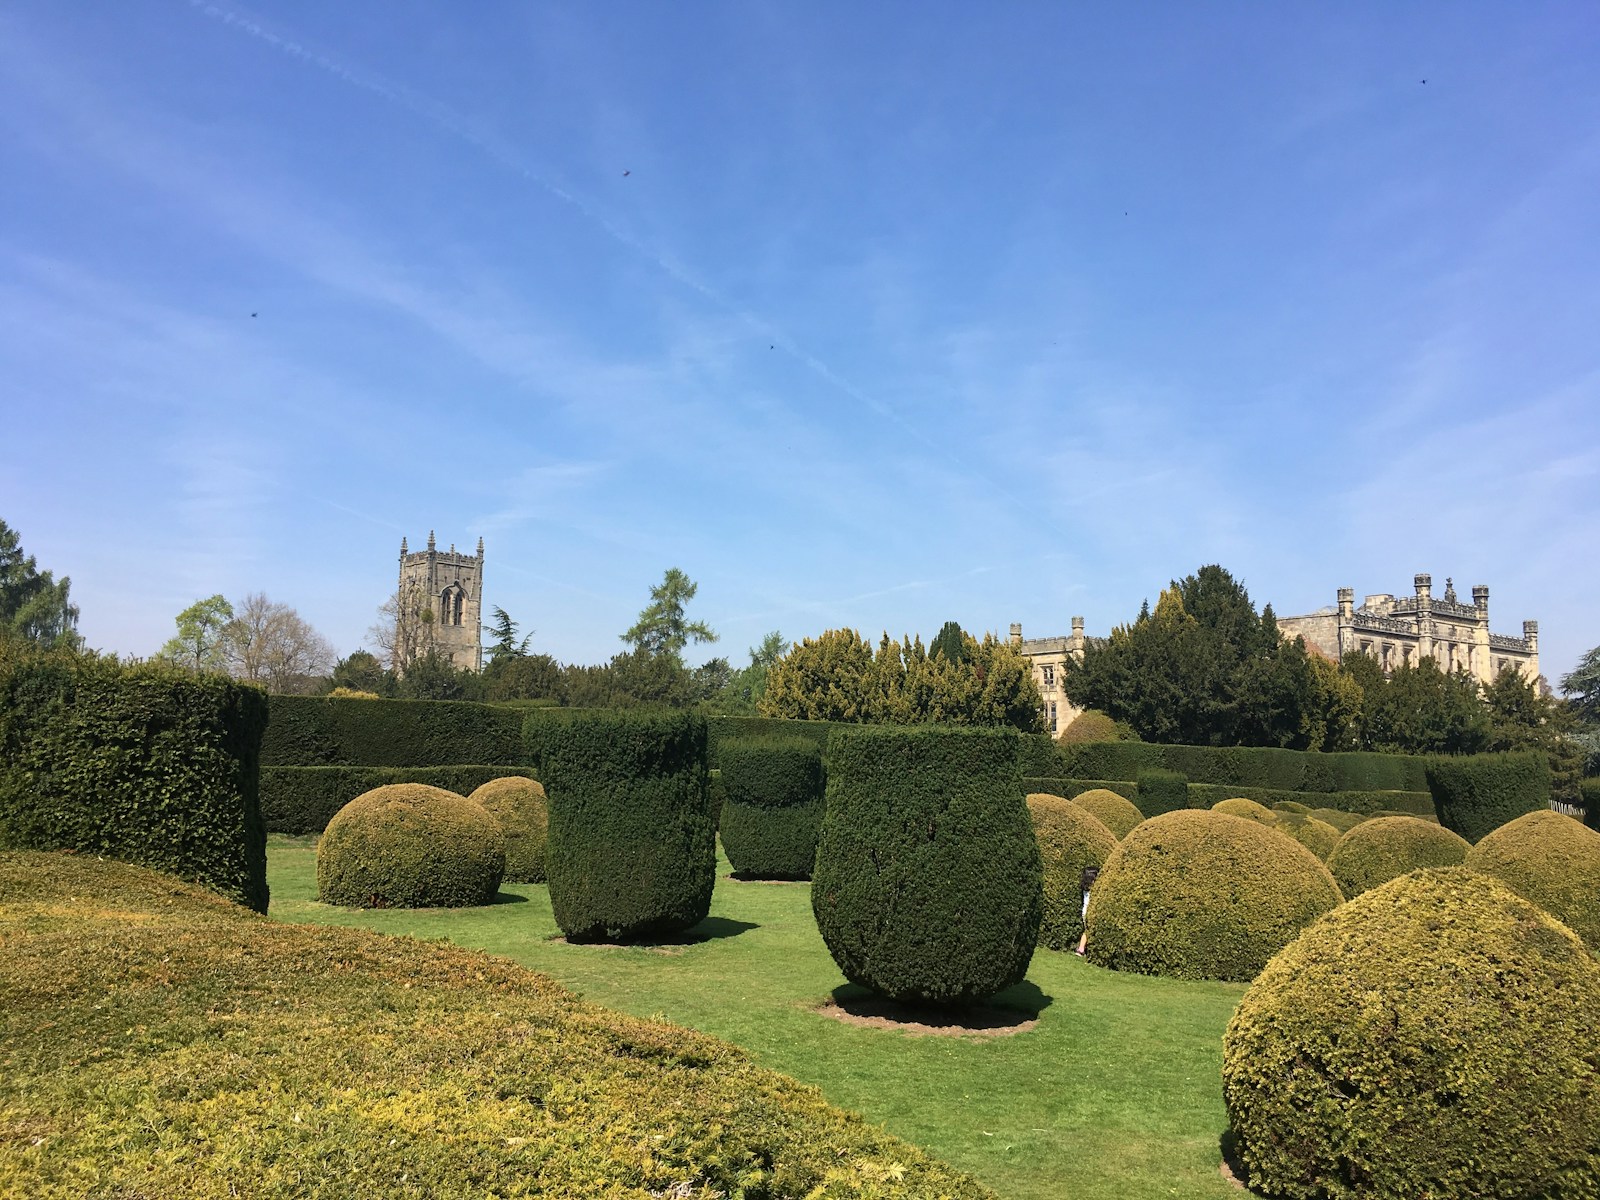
(632, 852)
(143, 763)
(1160, 791)
(304, 799)
(1589, 789)
(1477, 793)
(720, 730)
(927, 885)
(318, 731)
(1240, 766)
(772, 806)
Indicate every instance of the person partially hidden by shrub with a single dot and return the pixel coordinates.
(1552, 860)
(1436, 1036)
(1070, 841)
(519, 805)
(408, 845)
(772, 806)
(1376, 851)
(1116, 812)
(1198, 894)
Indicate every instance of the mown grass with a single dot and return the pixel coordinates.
(1116, 1092)
(159, 1042)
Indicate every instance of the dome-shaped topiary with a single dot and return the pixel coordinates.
(1434, 1037)
(1316, 836)
(1248, 809)
(772, 806)
(1116, 812)
(1552, 860)
(1091, 725)
(519, 805)
(1070, 839)
(408, 845)
(1343, 821)
(1292, 806)
(1378, 850)
(1202, 895)
(927, 885)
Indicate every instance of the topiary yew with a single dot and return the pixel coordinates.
(1378, 850)
(1091, 725)
(772, 806)
(1204, 895)
(1434, 1037)
(927, 886)
(1343, 821)
(408, 845)
(1552, 860)
(1070, 839)
(1116, 812)
(1475, 794)
(1316, 836)
(519, 805)
(1238, 806)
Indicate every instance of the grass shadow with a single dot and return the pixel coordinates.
(1233, 1167)
(509, 898)
(746, 877)
(710, 930)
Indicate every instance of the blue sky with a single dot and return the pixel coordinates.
(869, 316)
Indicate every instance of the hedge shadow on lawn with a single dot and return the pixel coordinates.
(712, 929)
(509, 898)
(1014, 1010)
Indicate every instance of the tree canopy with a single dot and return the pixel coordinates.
(662, 627)
(33, 605)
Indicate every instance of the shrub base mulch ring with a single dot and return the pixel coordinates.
(879, 1012)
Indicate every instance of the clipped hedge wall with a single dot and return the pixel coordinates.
(141, 762)
(1113, 810)
(720, 730)
(1202, 895)
(300, 800)
(632, 852)
(927, 887)
(519, 804)
(1239, 767)
(408, 845)
(772, 806)
(1070, 839)
(1552, 860)
(317, 731)
(1383, 848)
(1160, 791)
(1477, 793)
(1433, 1037)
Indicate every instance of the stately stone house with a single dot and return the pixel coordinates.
(1049, 658)
(440, 602)
(1396, 631)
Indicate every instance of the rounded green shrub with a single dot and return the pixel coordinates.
(519, 805)
(1091, 725)
(927, 887)
(1552, 860)
(1475, 794)
(1204, 895)
(408, 845)
(1070, 839)
(1316, 836)
(1292, 806)
(632, 852)
(1238, 806)
(1343, 821)
(1378, 850)
(1117, 813)
(772, 806)
(1434, 1037)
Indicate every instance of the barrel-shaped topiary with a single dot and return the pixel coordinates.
(1116, 812)
(1434, 1037)
(1475, 794)
(1316, 836)
(408, 845)
(927, 887)
(1070, 839)
(1238, 806)
(1204, 895)
(772, 806)
(519, 805)
(1552, 860)
(1378, 850)
(632, 853)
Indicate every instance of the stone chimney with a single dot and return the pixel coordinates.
(1424, 586)
(1347, 603)
(1530, 634)
(1480, 601)
(1016, 633)
(1077, 635)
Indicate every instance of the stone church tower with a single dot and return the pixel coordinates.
(440, 606)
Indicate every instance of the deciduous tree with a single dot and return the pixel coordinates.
(271, 644)
(201, 641)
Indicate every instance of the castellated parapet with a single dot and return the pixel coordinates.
(440, 600)
(1048, 657)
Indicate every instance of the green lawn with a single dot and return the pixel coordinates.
(1116, 1093)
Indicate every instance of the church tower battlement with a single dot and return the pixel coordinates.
(441, 598)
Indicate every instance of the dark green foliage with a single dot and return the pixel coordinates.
(1552, 860)
(772, 806)
(1581, 687)
(1522, 717)
(433, 676)
(523, 677)
(632, 850)
(1434, 1037)
(1384, 848)
(145, 763)
(1479, 793)
(362, 672)
(323, 732)
(950, 642)
(1589, 792)
(1205, 795)
(927, 887)
(408, 845)
(1070, 839)
(303, 799)
(1244, 767)
(33, 607)
(1418, 708)
(519, 804)
(722, 729)
(1203, 895)
(1158, 791)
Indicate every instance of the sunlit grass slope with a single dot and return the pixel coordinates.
(157, 1041)
(1116, 1093)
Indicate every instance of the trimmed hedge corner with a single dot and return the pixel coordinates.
(927, 887)
(518, 803)
(141, 762)
(1070, 839)
(632, 852)
(1434, 1037)
(409, 845)
(1477, 793)
(1383, 848)
(1552, 860)
(772, 806)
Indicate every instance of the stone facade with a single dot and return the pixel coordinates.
(1454, 635)
(1049, 658)
(441, 597)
